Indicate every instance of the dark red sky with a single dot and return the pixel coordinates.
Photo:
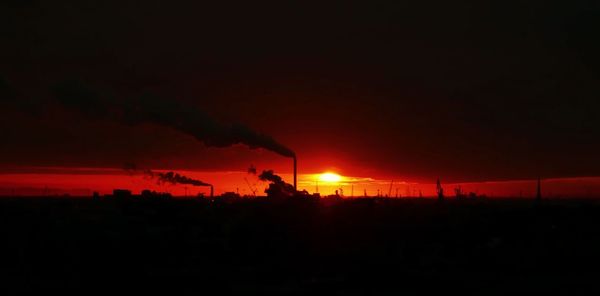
(462, 89)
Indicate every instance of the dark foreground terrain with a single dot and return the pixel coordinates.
(356, 247)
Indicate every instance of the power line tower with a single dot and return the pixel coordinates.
(252, 188)
(439, 190)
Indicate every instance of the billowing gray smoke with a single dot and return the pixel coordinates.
(270, 176)
(175, 178)
(278, 187)
(170, 113)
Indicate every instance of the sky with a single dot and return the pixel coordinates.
(468, 91)
(83, 182)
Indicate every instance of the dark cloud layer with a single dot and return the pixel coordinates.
(467, 89)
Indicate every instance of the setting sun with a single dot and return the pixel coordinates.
(330, 177)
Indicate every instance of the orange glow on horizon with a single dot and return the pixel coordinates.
(83, 181)
(330, 177)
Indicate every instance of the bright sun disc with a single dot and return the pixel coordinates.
(330, 177)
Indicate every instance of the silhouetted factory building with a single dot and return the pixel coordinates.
(121, 193)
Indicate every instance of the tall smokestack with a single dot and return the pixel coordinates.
(211, 191)
(295, 173)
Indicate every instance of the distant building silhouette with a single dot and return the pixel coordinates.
(121, 193)
(230, 195)
(148, 194)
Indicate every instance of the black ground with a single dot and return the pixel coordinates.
(355, 247)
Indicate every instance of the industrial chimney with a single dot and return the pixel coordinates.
(211, 191)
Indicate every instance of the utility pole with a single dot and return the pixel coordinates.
(538, 196)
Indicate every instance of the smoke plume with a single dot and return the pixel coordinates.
(175, 178)
(270, 176)
(278, 187)
(170, 113)
(252, 170)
